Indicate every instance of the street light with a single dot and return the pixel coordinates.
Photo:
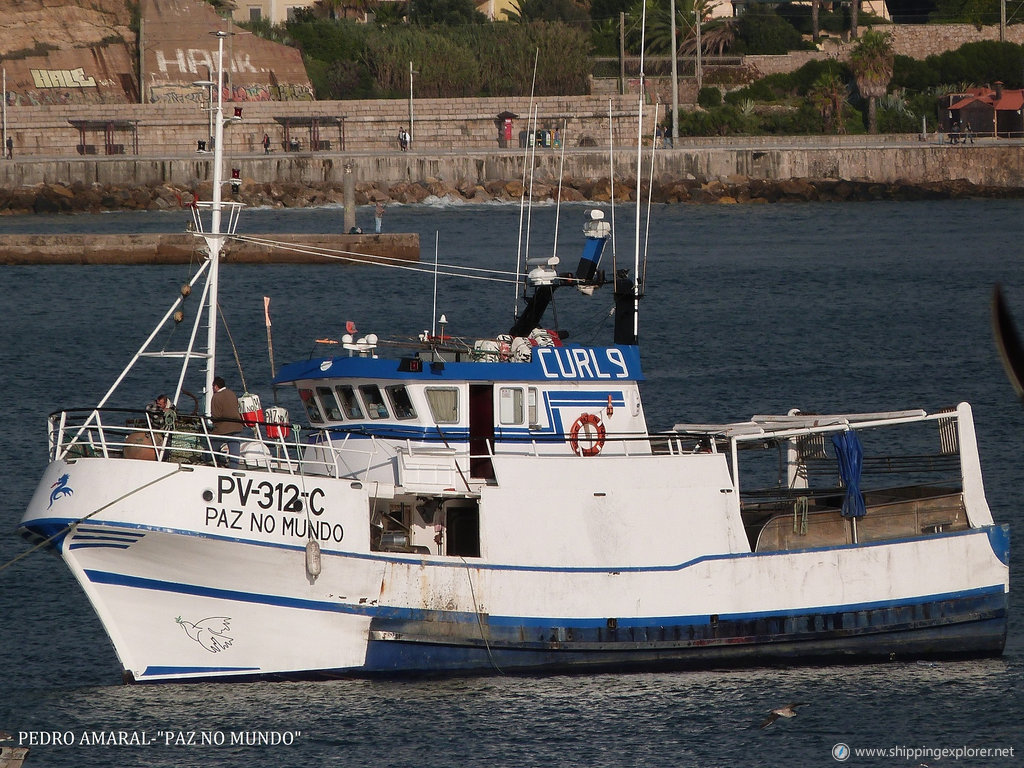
(411, 73)
(209, 85)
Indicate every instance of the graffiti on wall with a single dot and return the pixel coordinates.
(194, 61)
(62, 78)
(175, 93)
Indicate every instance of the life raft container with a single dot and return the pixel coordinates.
(592, 438)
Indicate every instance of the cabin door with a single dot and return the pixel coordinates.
(481, 430)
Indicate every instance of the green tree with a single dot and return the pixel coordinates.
(449, 13)
(762, 30)
(828, 95)
(871, 61)
(568, 11)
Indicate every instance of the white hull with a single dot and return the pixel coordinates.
(187, 596)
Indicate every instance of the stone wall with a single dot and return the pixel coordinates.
(179, 49)
(991, 165)
(359, 126)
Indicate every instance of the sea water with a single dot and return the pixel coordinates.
(747, 309)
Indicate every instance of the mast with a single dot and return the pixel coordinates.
(214, 240)
(639, 160)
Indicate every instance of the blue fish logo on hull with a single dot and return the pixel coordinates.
(60, 489)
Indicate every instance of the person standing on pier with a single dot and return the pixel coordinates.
(378, 216)
(10, 148)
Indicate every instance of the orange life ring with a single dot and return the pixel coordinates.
(593, 433)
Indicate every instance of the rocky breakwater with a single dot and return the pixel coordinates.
(82, 198)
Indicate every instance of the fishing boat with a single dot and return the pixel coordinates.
(457, 506)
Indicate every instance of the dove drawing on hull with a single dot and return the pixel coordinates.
(211, 632)
(787, 711)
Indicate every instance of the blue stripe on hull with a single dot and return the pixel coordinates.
(965, 626)
(397, 659)
(974, 624)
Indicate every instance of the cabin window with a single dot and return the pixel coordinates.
(510, 405)
(401, 405)
(349, 402)
(444, 404)
(329, 404)
(374, 401)
(312, 409)
(532, 398)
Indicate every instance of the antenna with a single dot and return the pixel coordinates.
(522, 200)
(533, 160)
(558, 203)
(611, 179)
(433, 311)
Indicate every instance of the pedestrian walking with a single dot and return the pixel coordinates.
(266, 143)
(10, 148)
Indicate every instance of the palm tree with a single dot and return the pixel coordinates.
(871, 61)
(828, 95)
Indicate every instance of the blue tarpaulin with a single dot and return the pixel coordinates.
(850, 455)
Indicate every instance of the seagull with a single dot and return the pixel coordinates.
(787, 711)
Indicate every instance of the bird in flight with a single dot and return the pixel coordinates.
(787, 711)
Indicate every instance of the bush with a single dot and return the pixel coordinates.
(761, 30)
(913, 74)
(980, 63)
(709, 97)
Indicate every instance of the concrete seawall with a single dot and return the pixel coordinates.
(994, 163)
(182, 249)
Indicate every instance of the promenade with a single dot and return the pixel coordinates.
(904, 159)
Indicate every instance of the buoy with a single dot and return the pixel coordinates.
(249, 408)
(586, 438)
(313, 558)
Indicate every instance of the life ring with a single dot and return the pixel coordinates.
(593, 433)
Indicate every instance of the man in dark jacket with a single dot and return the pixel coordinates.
(227, 421)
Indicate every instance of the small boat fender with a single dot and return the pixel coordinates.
(313, 558)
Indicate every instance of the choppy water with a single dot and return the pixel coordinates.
(750, 309)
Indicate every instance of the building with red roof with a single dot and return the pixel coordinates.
(984, 111)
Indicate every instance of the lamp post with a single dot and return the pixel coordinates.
(4, 139)
(411, 73)
(675, 75)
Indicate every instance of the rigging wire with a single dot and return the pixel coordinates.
(650, 196)
(72, 524)
(522, 200)
(234, 349)
(382, 261)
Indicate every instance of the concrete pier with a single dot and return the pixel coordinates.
(183, 248)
